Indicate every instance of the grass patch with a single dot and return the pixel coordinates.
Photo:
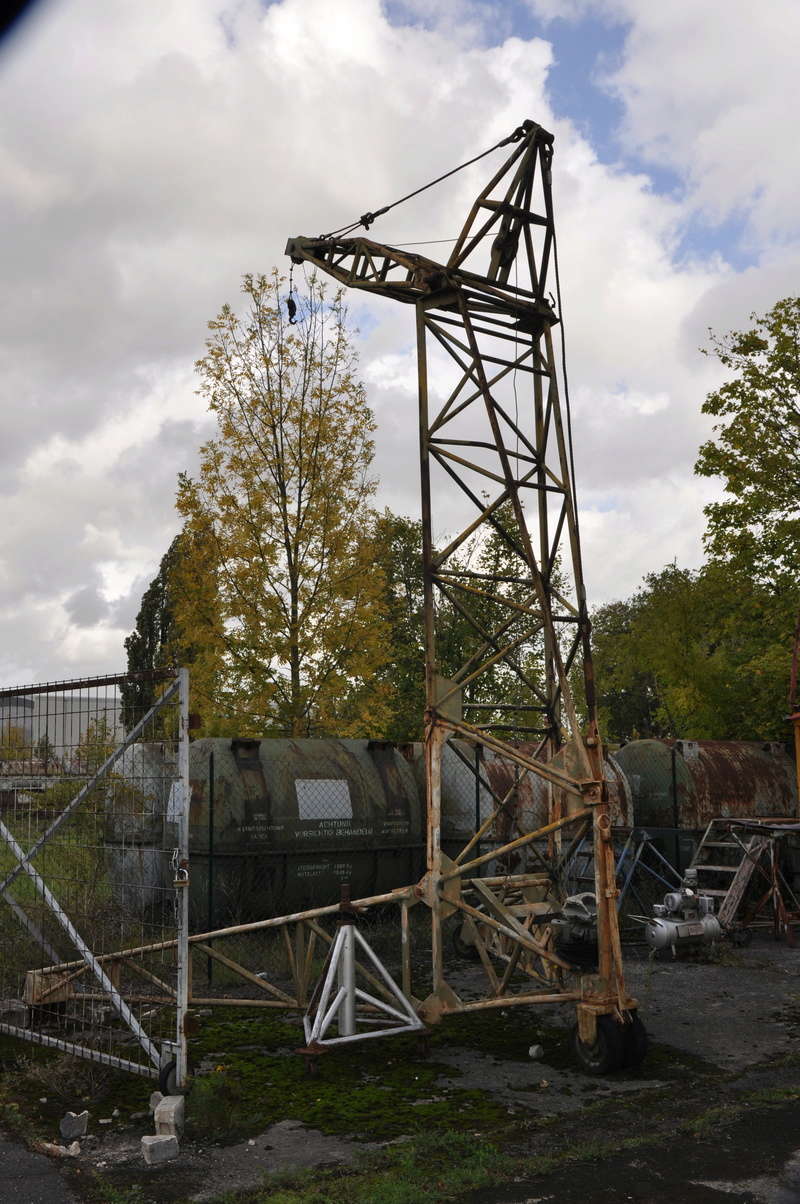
(373, 1092)
(431, 1168)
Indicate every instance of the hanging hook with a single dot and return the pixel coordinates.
(291, 304)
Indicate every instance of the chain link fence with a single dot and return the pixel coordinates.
(92, 806)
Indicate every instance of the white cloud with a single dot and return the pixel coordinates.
(146, 164)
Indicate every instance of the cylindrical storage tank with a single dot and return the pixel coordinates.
(467, 801)
(687, 783)
(136, 805)
(683, 784)
(277, 825)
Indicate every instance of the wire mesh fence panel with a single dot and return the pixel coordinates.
(92, 843)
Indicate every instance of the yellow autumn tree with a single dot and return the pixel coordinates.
(276, 586)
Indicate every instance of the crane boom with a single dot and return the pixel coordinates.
(496, 456)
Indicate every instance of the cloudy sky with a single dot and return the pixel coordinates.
(150, 154)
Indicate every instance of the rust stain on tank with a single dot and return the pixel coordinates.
(737, 779)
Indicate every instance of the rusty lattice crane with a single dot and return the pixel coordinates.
(495, 449)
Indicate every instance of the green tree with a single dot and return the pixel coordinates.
(277, 582)
(152, 643)
(700, 655)
(756, 448)
(94, 748)
(14, 745)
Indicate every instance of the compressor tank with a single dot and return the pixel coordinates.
(276, 825)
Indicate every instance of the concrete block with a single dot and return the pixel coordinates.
(158, 1149)
(155, 1099)
(73, 1125)
(169, 1116)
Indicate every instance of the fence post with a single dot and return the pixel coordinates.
(182, 876)
(210, 915)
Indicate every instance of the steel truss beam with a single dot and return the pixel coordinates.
(495, 449)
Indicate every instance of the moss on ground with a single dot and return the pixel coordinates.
(375, 1091)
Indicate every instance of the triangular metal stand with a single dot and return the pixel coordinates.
(338, 1002)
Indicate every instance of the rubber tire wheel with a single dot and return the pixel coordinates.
(636, 1042)
(607, 1054)
(167, 1078)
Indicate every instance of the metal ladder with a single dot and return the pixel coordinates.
(743, 857)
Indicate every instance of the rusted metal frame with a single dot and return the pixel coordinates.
(306, 960)
(480, 947)
(248, 975)
(512, 845)
(487, 823)
(506, 332)
(519, 456)
(538, 454)
(567, 854)
(394, 896)
(541, 588)
(568, 662)
(440, 454)
(62, 981)
(523, 187)
(508, 210)
(86, 789)
(405, 950)
(287, 941)
(486, 515)
(498, 598)
(524, 938)
(552, 552)
(503, 1001)
(543, 769)
(487, 664)
(447, 414)
(515, 727)
(501, 578)
(134, 968)
(537, 283)
(525, 167)
(502, 653)
(592, 763)
(464, 487)
(227, 1001)
(507, 918)
(456, 255)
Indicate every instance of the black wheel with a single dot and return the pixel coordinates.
(464, 948)
(635, 1041)
(607, 1053)
(168, 1078)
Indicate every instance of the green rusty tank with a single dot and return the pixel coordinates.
(683, 784)
(276, 825)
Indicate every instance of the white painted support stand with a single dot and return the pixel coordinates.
(383, 1019)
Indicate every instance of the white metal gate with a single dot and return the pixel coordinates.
(93, 860)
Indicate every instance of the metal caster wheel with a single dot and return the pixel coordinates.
(607, 1053)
